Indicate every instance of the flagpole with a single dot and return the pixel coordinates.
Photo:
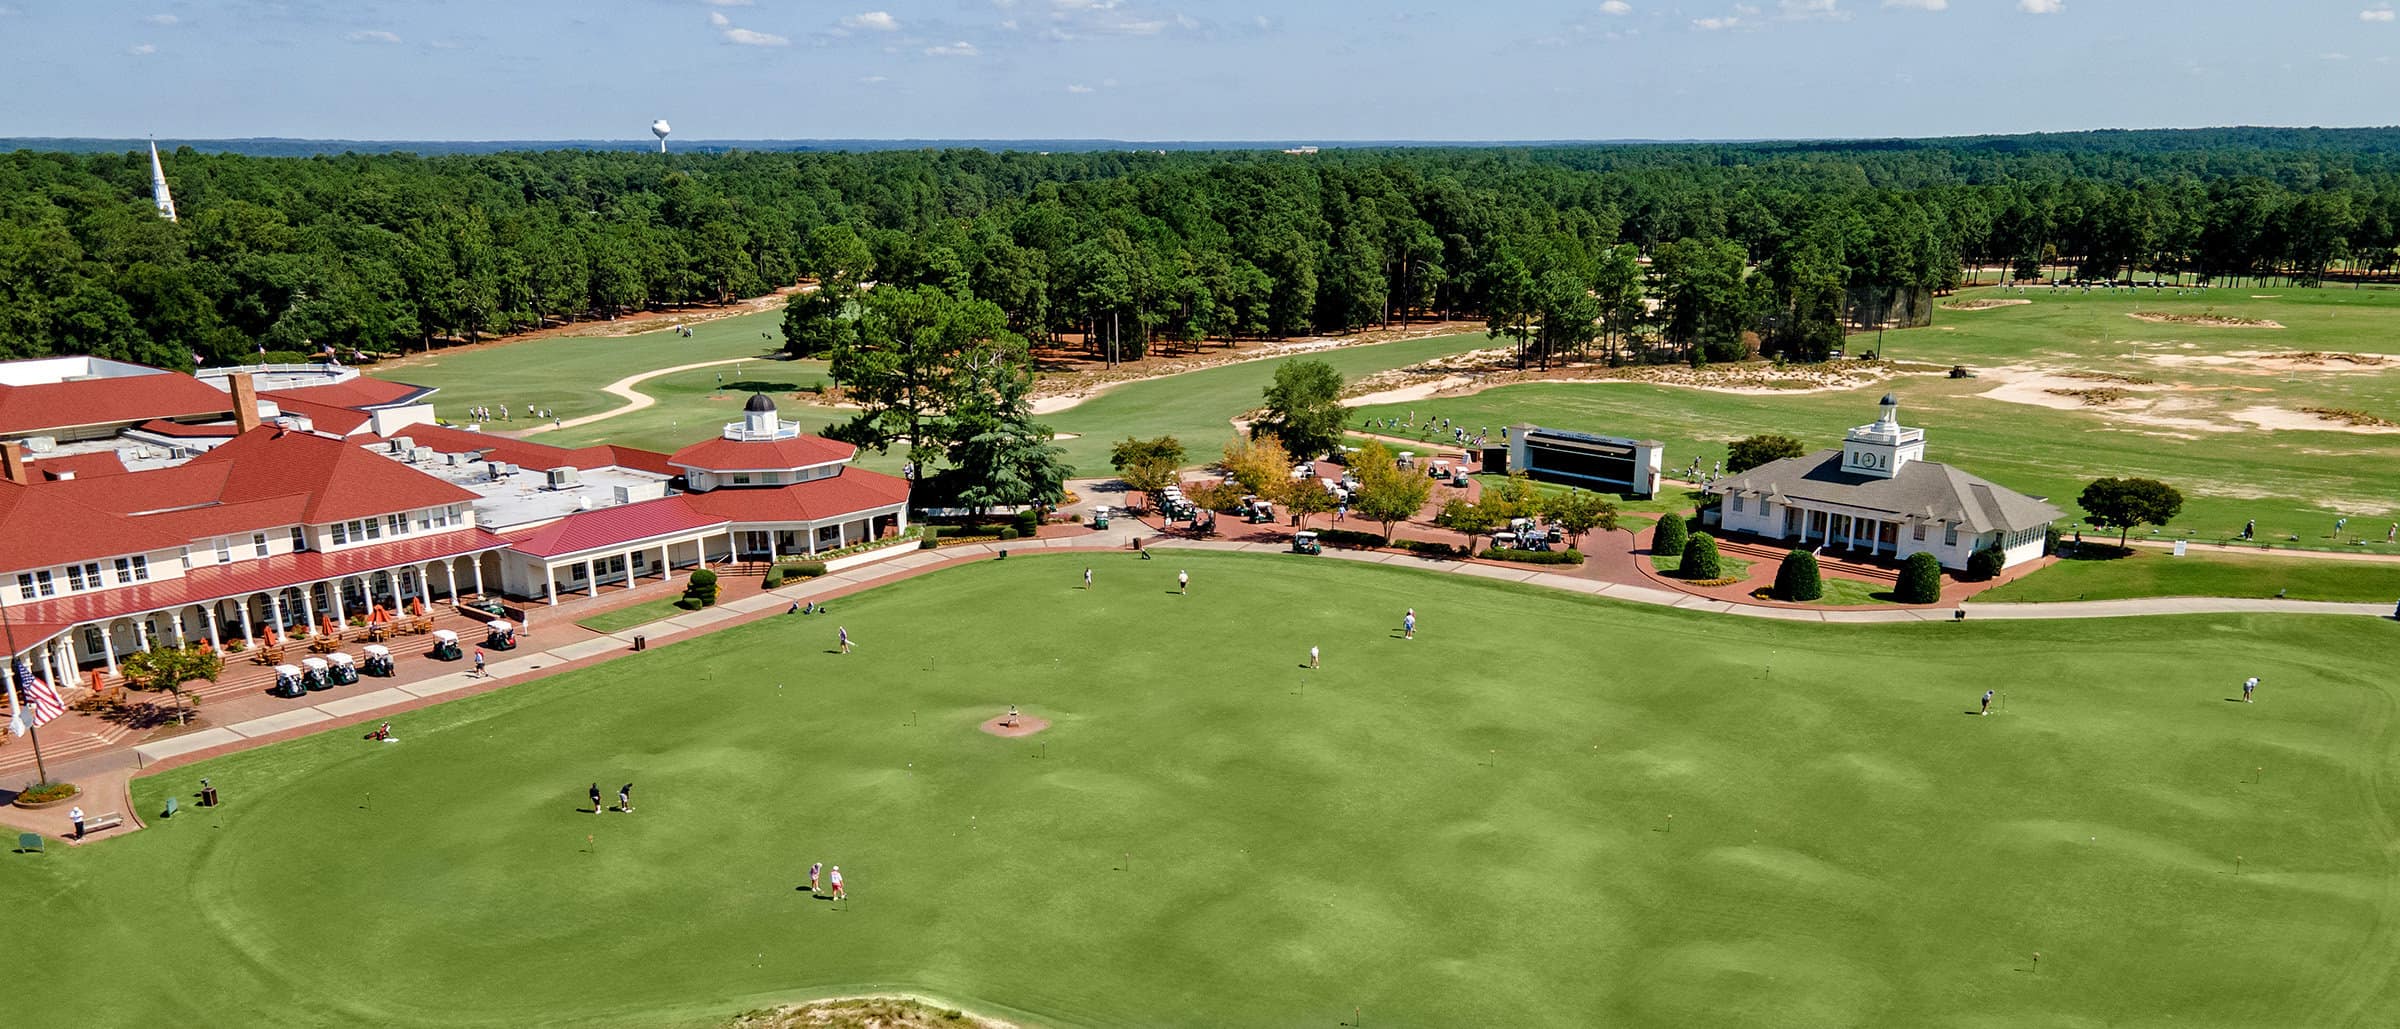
(32, 729)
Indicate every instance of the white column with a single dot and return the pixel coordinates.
(333, 596)
(591, 578)
(141, 634)
(175, 622)
(811, 530)
(108, 647)
(629, 569)
(247, 638)
(450, 577)
(283, 626)
(308, 608)
(478, 567)
(215, 642)
(771, 541)
(550, 582)
(50, 671)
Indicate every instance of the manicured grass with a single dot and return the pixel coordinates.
(631, 615)
(565, 374)
(1735, 568)
(1470, 828)
(1841, 592)
(2158, 573)
(2294, 482)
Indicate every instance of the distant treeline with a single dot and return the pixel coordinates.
(1558, 247)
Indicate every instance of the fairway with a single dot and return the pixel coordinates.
(2192, 417)
(565, 373)
(1545, 810)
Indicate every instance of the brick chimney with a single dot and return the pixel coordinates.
(245, 402)
(12, 463)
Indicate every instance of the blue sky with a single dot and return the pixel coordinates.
(1186, 69)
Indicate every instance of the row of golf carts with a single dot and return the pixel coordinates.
(314, 674)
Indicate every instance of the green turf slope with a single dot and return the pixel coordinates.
(1470, 828)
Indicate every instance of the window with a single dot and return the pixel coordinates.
(1920, 532)
(398, 524)
(84, 576)
(1737, 503)
(1950, 535)
(373, 527)
(91, 640)
(133, 569)
(741, 480)
(224, 550)
(299, 538)
(185, 554)
(258, 544)
(341, 534)
(36, 584)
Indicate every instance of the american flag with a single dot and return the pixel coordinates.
(45, 700)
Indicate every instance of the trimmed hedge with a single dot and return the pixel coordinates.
(1985, 564)
(1429, 549)
(702, 589)
(772, 579)
(1700, 560)
(1920, 579)
(1349, 538)
(1569, 556)
(802, 569)
(1671, 535)
(1798, 579)
(1010, 533)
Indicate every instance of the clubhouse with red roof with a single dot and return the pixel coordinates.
(141, 506)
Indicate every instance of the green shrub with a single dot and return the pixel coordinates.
(1569, 556)
(702, 590)
(803, 569)
(772, 579)
(1027, 523)
(1920, 579)
(929, 543)
(1984, 564)
(1010, 533)
(1349, 538)
(688, 604)
(1429, 549)
(44, 792)
(1670, 536)
(1798, 579)
(1700, 560)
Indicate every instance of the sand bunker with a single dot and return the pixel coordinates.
(2271, 362)
(2206, 321)
(2315, 420)
(1985, 304)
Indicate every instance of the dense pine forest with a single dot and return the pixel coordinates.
(1659, 251)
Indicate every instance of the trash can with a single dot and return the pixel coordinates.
(208, 795)
(641, 642)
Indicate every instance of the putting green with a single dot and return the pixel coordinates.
(1545, 810)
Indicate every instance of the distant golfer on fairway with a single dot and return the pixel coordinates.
(595, 798)
(2248, 685)
(844, 631)
(1312, 657)
(1987, 703)
(1183, 581)
(837, 880)
(814, 871)
(1087, 578)
(625, 798)
(1408, 625)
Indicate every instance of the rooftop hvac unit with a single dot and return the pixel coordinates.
(403, 444)
(510, 469)
(40, 444)
(421, 455)
(583, 503)
(623, 494)
(564, 477)
(495, 469)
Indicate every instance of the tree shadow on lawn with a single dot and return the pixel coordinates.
(761, 386)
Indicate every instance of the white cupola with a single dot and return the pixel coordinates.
(760, 421)
(1880, 449)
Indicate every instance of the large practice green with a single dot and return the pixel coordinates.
(1545, 809)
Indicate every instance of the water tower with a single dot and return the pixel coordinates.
(660, 129)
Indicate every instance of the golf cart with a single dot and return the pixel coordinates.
(342, 671)
(287, 681)
(379, 660)
(1257, 511)
(1100, 517)
(502, 635)
(445, 645)
(1458, 477)
(1305, 542)
(312, 674)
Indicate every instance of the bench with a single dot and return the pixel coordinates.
(169, 810)
(29, 843)
(110, 820)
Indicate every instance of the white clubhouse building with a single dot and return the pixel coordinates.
(1879, 497)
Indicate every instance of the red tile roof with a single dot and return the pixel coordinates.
(81, 466)
(341, 479)
(725, 455)
(362, 393)
(184, 430)
(45, 618)
(341, 421)
(32, 410)
(529, 454)
(611, 526)
(849, 493)
(42, 525)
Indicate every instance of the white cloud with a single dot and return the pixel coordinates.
(1812, 10)
(718, 19)
(872, 79)
(2041, 6)
(137, 50)
(162, 19)
(962, 48)
(1078, 87)
(372, 36)
(2379, 12)
(1715, 24)
(745, 37)
(876, 21)
(1919, 5)
(1616, 7)
(2333, 55)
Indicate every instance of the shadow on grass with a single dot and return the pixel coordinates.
(2093, 552)
(758, 386)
